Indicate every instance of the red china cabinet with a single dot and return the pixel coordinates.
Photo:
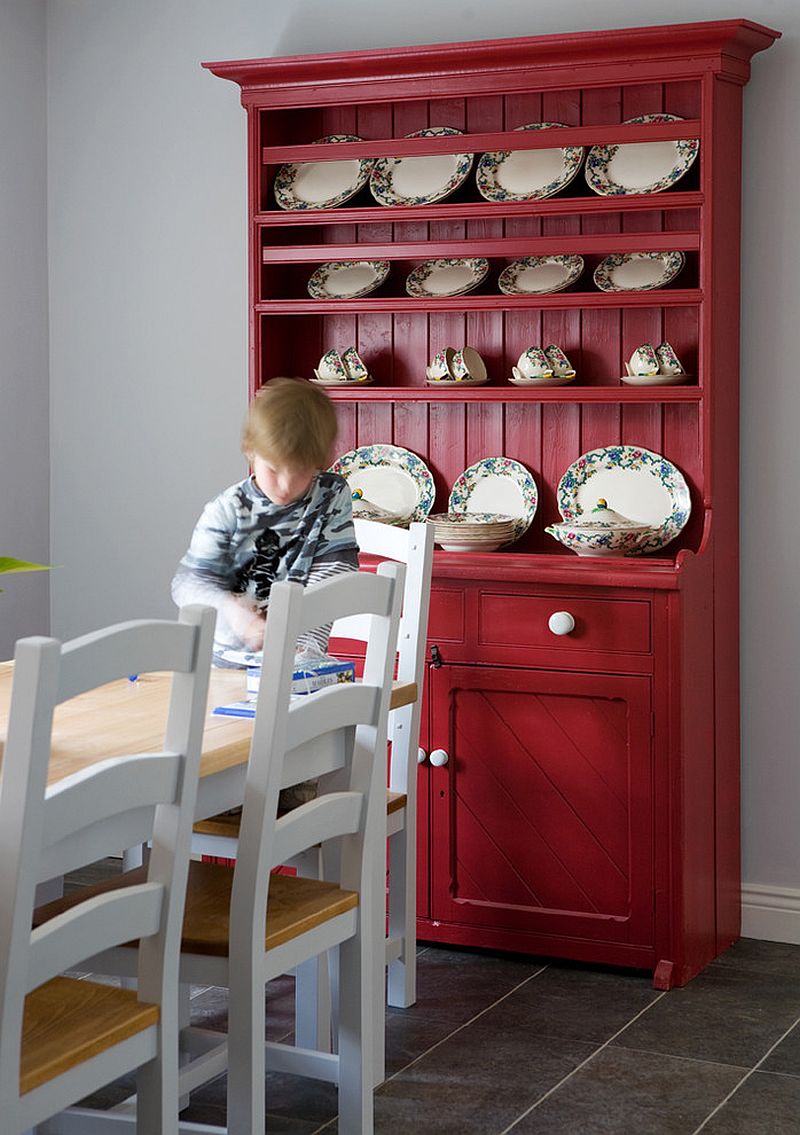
(579, 796)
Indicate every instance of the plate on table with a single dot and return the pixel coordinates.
(322, 185)
(347, 279)
(637, 271)
(617, 169)
(450, 277)
(636, 482)
(422, 180)
(540, 275)
(390, 477)
(527, 175)
(497, 485)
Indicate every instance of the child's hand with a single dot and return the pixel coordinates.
(246, 621)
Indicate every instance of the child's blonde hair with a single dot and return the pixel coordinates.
(292, 423)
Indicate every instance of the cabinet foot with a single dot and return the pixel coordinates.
(664, 976)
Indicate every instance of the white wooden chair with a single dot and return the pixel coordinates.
(337, 735)
(63, 1038)
(218, 837)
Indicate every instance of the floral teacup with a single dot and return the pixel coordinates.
(441, 364)
(353, 365)
(534, 363)
(331, 367)
(467, 363)
(668, 361)
(643, 361)
(559, 361)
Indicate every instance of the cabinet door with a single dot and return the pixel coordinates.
(542, 816)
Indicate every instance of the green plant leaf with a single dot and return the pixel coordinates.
(8, 563)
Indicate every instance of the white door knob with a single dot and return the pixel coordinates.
(439, 757)
(421, 756)
(561, 622)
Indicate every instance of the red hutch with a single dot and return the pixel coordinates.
(583, 799)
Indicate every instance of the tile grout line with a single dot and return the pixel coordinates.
(745, 1078)
(582, 1064)
(444, 1040)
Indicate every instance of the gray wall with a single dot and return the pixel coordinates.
(24, 393)
(147, 240)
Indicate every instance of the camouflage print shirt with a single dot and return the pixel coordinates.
(243, 543)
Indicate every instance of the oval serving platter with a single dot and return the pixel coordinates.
(636, 482)
(540, 275)
(422, 180)
(637, 271)
(527, 175)
(347, 279)
(448, 277)
(497, 485)
(390, 477)
(322, 185)
(619, 169)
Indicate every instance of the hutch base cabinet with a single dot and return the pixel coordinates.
(579, 795)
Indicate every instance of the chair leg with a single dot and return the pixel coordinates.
(355, 1037)
(402, 985)
(246, 1058)
(312, 1012)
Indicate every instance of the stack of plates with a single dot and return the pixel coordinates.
(471, 531)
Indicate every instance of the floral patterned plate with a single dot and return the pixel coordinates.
(423, 180)
(527, 175)
(322, 185)
(640, 167)
(497, 485)
(636, 482)
(539, 275)
(347, 279)
(389, 477)
(451, 277)
(637, 271)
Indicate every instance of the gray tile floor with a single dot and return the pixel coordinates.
(500, 1044)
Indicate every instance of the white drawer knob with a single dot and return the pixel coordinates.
(561, 622)
(421, 756)
(439, 757)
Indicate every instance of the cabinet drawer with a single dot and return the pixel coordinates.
(514, 620)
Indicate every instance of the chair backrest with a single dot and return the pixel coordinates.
(337, 734)
(414, 548)
(113, 804)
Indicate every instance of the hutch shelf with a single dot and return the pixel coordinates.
(579, 795)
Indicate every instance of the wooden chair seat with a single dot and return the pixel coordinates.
(296, 905)
(68, 1021)
(395, 802)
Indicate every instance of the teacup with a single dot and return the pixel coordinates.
(331, 367)
(668, 361)
(441, 364)
(643, 361)
(354, 365)
(467, 363)
(558, 361)
(534, 363)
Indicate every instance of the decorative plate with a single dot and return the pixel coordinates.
(654, 379)
(471, 381)
(347, 279)
(497, 485)
(640, 167)
(452, 277)
(637, 271)
(423, 180)
(636, 482)
(322, 185)
(519, 379)
(539, 275)
(390, 477)
(527, 175)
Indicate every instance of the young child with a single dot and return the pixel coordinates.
(288, 520)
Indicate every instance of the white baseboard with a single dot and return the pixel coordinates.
(771, 913)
